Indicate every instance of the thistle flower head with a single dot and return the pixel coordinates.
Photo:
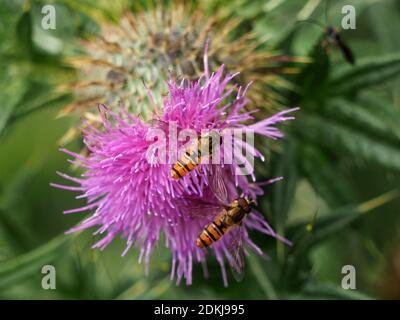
(135, 197)
(149, 45)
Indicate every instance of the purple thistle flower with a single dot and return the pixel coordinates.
(138, 199)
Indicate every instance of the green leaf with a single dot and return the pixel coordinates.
(307, 234)
(5, 115)
(329, 291)
(10, 94)
(283, 192)
(262, 278)
(24, 33)
(40, 101)
(322, 174)
(142, 289)
(383, 109)
(367, 72)
(388, 38)
(313, 80)
(380, 121)
(15, 270)
(349, 140)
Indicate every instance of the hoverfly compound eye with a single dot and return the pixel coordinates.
(250, 201)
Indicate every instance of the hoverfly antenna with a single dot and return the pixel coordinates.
(314, 22)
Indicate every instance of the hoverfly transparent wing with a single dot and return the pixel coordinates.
(235, 255)
(197, 208)
(217, 185)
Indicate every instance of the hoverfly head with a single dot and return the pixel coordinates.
(250, 202)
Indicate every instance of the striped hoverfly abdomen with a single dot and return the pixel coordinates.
(195, 154)
(230, 216)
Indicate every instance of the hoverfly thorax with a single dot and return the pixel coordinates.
(238, 211)
(206, 149)
(331, 34)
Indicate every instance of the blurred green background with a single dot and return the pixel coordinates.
(341, 153)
